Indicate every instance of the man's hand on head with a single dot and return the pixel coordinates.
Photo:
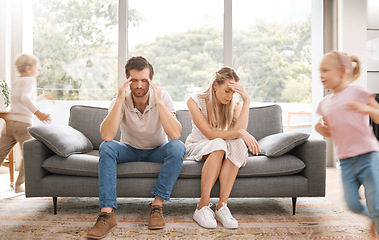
(122, 89)
(157, 92)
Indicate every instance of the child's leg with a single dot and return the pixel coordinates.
(351, 185)
(7, 142)
(21, 134)
(369, 175)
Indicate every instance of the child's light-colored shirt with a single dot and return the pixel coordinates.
(351, 131)
(23, 100)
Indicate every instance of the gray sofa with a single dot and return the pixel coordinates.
(298, 173)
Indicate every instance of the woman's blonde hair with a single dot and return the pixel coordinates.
(220, 118)
(24, 60)
(346, 61)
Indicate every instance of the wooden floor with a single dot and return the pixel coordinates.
(334, 191)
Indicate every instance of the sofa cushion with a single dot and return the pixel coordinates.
(265, 121)
(87, 165)
(87, 120)
(262, 166)
(256, 166)
(63, 140)
(278, 144)
(185, 120)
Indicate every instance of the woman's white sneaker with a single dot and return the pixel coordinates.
(224, 216)
(205, 217)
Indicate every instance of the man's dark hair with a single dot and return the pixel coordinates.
(139, 63)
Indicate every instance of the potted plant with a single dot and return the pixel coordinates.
(5, 99)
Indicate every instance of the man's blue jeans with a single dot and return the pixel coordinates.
(358, 170)
(111, 153)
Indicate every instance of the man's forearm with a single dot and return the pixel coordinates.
(112, 122)
(169, 123)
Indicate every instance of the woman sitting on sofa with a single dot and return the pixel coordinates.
(218, 137)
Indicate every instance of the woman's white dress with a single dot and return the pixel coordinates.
(198, 145)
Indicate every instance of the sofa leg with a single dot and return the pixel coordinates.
(294, 205)
(55, 202)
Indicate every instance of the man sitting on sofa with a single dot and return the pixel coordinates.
(146, 116)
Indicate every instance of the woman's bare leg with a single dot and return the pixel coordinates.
(227, 178)
(209, 175)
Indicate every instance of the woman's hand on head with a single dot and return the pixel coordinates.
(238, 88)
(250, 141)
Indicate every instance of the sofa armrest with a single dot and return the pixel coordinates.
(313, 154)
(35, 152)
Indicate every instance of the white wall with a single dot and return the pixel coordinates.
(4, 40)
(373, 45)
(17, 19)
(353, 33)
(16, 37)
(372, 14)
(317, 54)
(16, 34)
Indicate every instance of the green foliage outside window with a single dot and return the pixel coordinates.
(79, 60)
(72, 41)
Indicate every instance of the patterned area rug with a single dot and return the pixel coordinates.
(316, 218)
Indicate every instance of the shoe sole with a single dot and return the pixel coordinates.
(19, 190)
(156, 227)
(218, 219)
(204, 226)
(103, 236)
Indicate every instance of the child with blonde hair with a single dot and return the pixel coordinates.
(345, 118)
(23, 106)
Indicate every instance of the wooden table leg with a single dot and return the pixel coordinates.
(11, 168)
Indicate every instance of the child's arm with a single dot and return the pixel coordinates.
(27, 100)
(323, 128)
(45, 96)
(372, 109)
(43, 117)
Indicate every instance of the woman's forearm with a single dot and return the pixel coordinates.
(224, 134)
(243, 119)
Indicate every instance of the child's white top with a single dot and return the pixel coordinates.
(23, 100)
(351, 131)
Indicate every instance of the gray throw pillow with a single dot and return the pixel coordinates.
(63, 140)
(278, 144)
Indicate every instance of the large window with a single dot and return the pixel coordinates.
(76, 42)
(270, 48)
(271, 45)
(182, 39)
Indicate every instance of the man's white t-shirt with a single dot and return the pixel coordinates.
(143, 130)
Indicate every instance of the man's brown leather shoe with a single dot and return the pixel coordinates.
(104, 224)
(156, 220)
